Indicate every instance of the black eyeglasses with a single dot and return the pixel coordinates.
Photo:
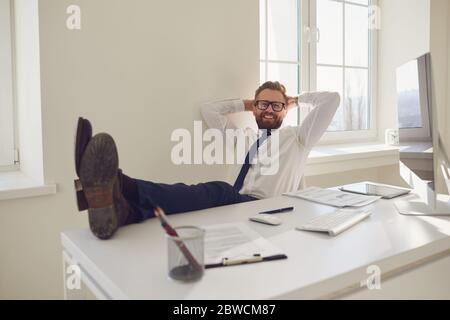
(264, 105)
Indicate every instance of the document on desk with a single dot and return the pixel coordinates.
(334, 198)
(235, 241)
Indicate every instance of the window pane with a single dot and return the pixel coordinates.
(356, 36)
(262, 72)
(409, 112)
(331, 79)
(356, 106)
(262, 29)
(285, 73)
(330, 24)
(364, 2)
(283, 30)
(288, 75)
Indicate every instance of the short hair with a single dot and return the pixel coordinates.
(272, 85)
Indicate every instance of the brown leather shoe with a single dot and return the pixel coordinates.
(99, 173)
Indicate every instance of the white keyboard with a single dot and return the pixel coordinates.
(337, 222)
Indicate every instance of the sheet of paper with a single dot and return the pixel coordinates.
(334, 198)
(235, 241)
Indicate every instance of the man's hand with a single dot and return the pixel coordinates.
(249, 105)
(292, 102)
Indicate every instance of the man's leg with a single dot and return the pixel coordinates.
(144, 196)
(113, 199)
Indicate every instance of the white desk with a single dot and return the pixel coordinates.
(133, 265)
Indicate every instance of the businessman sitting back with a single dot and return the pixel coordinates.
(114, 199)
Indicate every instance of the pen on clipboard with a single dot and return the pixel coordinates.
(255, 259)
(173, 233)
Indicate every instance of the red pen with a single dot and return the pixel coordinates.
(173, 233)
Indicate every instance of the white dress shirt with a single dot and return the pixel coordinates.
(295, 143)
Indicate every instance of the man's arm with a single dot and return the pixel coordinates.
(215, 113)
(319, 119)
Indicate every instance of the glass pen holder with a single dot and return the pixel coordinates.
(186, 254)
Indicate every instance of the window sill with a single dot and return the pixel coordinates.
(322, 160)
(348, 157)
(16, 185)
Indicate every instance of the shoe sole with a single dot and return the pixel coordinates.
(98, 173)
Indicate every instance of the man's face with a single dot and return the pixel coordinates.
(270, 119)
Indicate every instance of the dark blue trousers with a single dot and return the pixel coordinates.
(179, 198)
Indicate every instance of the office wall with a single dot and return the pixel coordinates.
(404, 35)
(439, 41)
(138, 69)
(410, 28)
(439, 47)
(448, 81)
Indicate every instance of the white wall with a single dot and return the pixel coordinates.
(448, 77)
(404, 35)
(448, 80)
(439, 70)
(138, 69)
(410, 28)
(439, 46)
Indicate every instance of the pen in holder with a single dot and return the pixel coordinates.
(185, 250)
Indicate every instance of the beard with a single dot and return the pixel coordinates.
(266, 124)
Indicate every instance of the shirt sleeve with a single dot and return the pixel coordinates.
(319, 119)
(215, 113)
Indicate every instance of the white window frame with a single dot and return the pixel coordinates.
(308, 70)
(7, 152)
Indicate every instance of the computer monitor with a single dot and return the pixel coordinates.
(421, 151)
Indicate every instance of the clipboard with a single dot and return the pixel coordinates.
(237, 244)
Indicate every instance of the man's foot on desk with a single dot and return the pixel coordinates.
(102, 187)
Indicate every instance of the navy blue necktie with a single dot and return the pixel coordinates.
(248, 160)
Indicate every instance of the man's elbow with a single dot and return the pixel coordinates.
(335, 99)
(205, 110)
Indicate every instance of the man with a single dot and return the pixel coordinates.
(114, 199)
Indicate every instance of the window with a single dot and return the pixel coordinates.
(6, 87)
(313, 45)
(409, 110)
(414, 107)
(280, 25)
